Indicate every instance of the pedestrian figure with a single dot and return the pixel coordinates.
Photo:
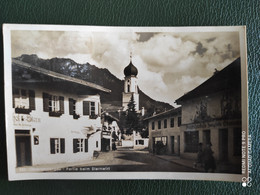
(199, 156)
(113, 146)
(209, 160)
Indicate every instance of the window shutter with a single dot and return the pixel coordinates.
(85, 107)
(15, 93)
(31, 99)
(71, 106)
(62, 145)
(75, 145)
(61, 104)
(45, 98)
(86, 145)
(52, 142)
(93, 108)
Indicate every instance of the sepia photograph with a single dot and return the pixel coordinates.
(89, 102)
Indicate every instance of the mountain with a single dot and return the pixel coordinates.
(100, 76)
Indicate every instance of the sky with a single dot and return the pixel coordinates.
(169, 63)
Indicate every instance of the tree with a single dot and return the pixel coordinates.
(132, 119)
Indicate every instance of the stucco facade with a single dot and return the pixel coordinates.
(211, 115)
(53, 121)
(164, 132)
(40, 127)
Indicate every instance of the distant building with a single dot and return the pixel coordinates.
(211, 113)
(164, 132)
(110, 132)
(56, 117)
(130, 86)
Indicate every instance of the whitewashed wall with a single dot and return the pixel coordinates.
(41, 124)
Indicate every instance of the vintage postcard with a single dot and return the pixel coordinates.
(90, 102)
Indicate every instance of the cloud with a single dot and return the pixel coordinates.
(145, 36)
(210, 39)
(200, 50)
(169, 64)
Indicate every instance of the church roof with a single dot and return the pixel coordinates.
(130, 70)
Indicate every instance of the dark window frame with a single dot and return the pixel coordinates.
(57, 145)
(89, 109)
(179, 121)
(172, 122)
(72, 108)
(165, 121)
(49, 100)
(159, 124)
(80, 145)
(24, 94)
(153, 125)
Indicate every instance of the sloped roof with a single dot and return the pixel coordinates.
(58, 75)
(226, 79)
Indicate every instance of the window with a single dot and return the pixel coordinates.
(179, 121)
(165, 123)
(57, 145)
(161, 140)
(92, 108)
(172, 122)
(159, 124)
(164, 140)
(23, 100)
(53, 104)
(191, 140)
(139, 142)
(78, 145)
(72, 108)
(86, 107)
(153, 125)
(237, 134)
(128, 85)
(96, 144)
(36, 140)
(89, 108)
(86, 145)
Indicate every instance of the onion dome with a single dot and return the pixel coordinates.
(130, 70)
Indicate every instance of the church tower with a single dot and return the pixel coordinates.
(130, 86)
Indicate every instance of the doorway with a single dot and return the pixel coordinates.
(105, 145)
(206, 137)
(23, 148)
(223, 145)
(172, 144)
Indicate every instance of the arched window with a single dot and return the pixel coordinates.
(128, 86)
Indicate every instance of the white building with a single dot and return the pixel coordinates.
(110, 132)
(56, 117)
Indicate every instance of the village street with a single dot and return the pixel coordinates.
(127, 159)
